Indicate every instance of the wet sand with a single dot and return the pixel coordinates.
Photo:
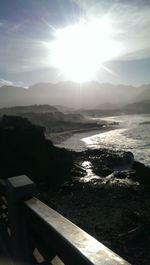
(73, 139)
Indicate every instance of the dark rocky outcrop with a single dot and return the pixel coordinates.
(142, 174)
(113, 206)
(24, 150)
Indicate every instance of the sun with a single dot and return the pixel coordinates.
(79, 50)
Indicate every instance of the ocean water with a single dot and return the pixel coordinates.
(132, 134)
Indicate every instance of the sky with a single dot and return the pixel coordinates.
(27, 29)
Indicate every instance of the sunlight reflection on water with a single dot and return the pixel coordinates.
(98, 180)
(89, 173)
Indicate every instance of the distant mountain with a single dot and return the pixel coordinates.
(108, 106)
(70, 94)
(144, 95)
(12, 96)
(64, 109)
(138, 107)
(27, 109)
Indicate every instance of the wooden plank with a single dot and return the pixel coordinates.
(72, 244)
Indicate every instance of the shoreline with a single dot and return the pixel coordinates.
(114, 208)
(59, 138)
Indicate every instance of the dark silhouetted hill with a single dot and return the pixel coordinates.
(27, 109)
(24, 150)
(49, 117)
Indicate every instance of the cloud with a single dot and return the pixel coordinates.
(9, 26)
(1, 24)
(4, 82)
(23, 54)
(130, 18)
(134, 24)
(24, 46)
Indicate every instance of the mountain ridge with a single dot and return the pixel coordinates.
(71, 94)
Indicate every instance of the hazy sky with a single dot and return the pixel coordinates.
(27, 28)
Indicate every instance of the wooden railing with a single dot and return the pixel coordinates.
(40, 235)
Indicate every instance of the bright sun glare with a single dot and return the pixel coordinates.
(80, 50)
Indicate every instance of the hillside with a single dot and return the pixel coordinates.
(145, 94)
(132, 108)
(27, 109)
(12, 96)
(50, 118)
(138, 107)
(24, 150)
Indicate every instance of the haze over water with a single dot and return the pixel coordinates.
(131, 135)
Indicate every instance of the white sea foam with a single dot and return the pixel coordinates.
(133, 135)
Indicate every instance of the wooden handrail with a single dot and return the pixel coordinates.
(54, 235)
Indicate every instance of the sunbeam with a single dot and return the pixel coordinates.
(79, 50)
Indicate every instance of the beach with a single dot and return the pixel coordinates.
(60, 138)
(108, 192)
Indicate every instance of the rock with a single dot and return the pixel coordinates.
(102, 171)
(121, 174)
(128, 158)
(142, 174)
(25, 150)
(107, 244)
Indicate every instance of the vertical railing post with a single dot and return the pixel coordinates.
(19, 189)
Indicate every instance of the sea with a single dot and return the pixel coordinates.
(131, 134)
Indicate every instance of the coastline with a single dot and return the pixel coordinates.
(107, 194)
(59, 138)
(105, 201)
(109, 202)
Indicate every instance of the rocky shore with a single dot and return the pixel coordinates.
(109, 197)
(105, 192)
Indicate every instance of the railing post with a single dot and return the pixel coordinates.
(19, 189)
